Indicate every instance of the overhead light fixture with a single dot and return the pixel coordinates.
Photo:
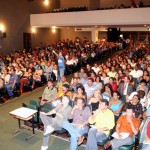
(145, 25)
(2, 31)
(46, 2)
(33, 30)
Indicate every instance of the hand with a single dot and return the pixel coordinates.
(99, 130)
(81, 125)
(129, 119)
(43, 113)
(75, 107)
(119, 136)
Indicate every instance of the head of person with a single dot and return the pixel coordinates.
(126, 79)
(85, 75)
(80, 89)
(135, 100)
(50, 83)
(12, 70)
(97, 94)
(93, 74)
(104, 104)
(136, 67)
(63, 79)
(88, 67)
(80, 102)
(90, 81)
(143, 83)
(129, 112)
(60, 54)
(65, 88)
(98, 79)
(82, 70)
(65, 100)
(116, 95)
(76, 74)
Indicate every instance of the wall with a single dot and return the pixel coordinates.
(94, 4)
(73, 3)
(37, 6)
(71, 34)
(45, 35)
(15, 16)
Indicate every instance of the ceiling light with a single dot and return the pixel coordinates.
(46, 2)
(145, 25)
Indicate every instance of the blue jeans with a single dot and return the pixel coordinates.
(61, 73)
(75, 132)
(9, 90)
(93, 138)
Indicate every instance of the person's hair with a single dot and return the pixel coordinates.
(130, 107)
(109, 86)
(105, 101)
(141, 94)
(83, 101)
(91, 79)
(118, 94)
(50, 80)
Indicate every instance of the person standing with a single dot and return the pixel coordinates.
(61, 64)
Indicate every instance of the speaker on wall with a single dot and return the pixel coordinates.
(113, 34)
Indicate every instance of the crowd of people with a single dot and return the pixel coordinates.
(108, 96)
(112, 96)
(22, 69)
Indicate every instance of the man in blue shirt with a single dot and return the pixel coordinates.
(12, 83)
(61, 64)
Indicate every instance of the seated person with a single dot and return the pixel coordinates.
(49, 93)
(128, 124)
(89, 88)
(135, 105)
(60, 94)
(80, 115)
(61, 83)
(48, 70)
(12, 83)
(26, 79)
(142, 86)
(116, 105)
(80, 93)
(62, 112)
(103, 119)
(146, 142)
(95, 100)
(75, 83)
(38, 73)
(84, 80)
(108, 92)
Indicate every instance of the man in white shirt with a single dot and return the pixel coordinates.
(136, 73)
(96, 68)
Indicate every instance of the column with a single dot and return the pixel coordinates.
(94, 34)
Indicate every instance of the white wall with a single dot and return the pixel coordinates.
(103, 17)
